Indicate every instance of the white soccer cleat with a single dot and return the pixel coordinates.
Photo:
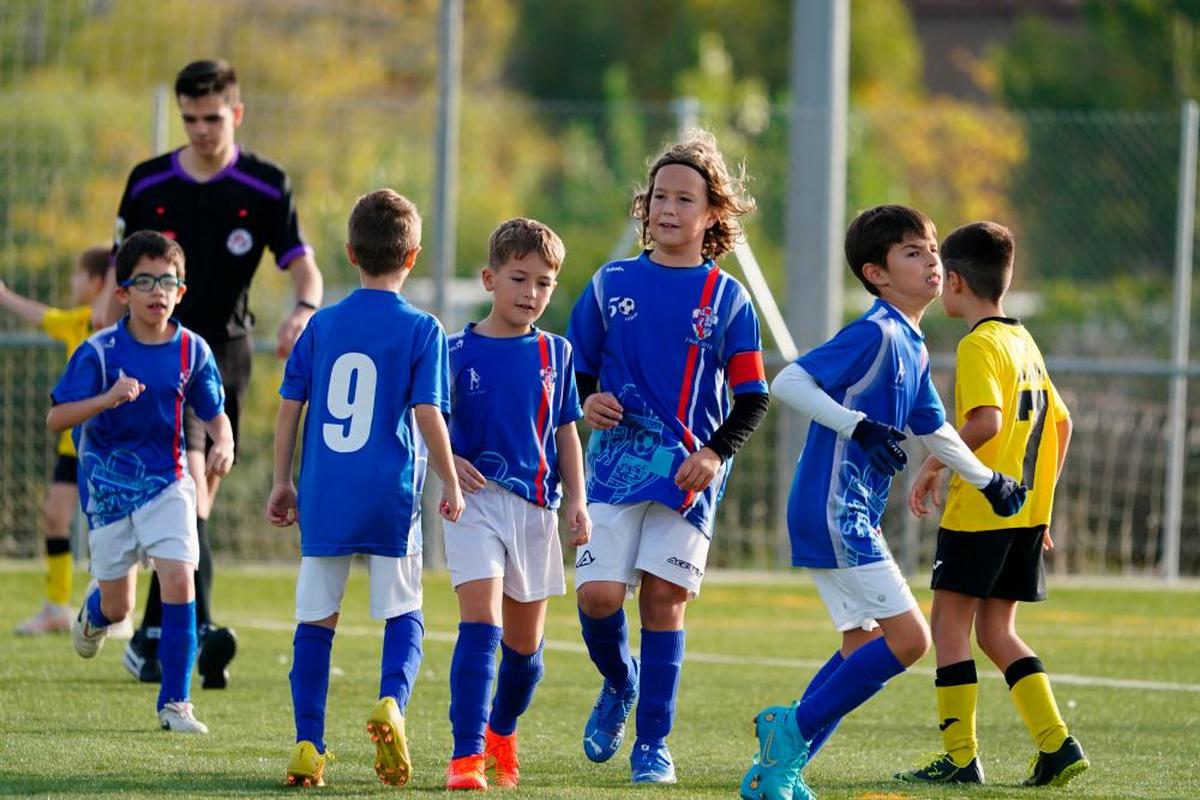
(53, 618)
(178, 718)
(87, 639)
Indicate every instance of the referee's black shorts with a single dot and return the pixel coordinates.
(1005, 563)
(235, 358)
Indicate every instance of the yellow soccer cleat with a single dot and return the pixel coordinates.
(386, 727)
(501, 752)
(306, 767)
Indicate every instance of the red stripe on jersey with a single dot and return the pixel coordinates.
(543, 416)
(685, 390)
(745, 368)
(183, 365)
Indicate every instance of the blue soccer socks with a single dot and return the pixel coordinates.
(827, 669)
(176, 651)
(662, 661)
(607, 642)
(311, 649)
(853, 683)
(402, 652)
(95, 615)
(519, 676)
(472, 671)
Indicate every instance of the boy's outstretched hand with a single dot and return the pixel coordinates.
(698, 471)
(881, 443)
(1005, 495)
(281, 505)
(125, 390)
(452, 504)
(470, 479)
(580, 522)
(602, 411)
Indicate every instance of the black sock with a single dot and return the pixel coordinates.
(204, 575)
(152, 617)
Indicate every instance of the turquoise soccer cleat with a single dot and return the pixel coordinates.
(782, 753)
(650, 763)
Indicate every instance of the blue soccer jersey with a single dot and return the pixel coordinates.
(878, 365)
(361, 366)
(670, 344)
(128, 454)
(510, 395)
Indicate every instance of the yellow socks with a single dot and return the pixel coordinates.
(1029, 687)
(957, 690)
(59, 572)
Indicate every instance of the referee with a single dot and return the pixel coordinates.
(223, 205)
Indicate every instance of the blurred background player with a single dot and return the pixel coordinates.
(660, 342)
(223, 205)
(71, 326)
(860, 389)
(124, 392)
(372, 371)
(1010, 414)
(512, 427)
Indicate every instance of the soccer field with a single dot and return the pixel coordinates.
(1123, 659)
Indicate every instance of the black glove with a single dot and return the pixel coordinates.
(1005, 494)
(881, 443)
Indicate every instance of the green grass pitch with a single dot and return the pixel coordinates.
(1123, 658)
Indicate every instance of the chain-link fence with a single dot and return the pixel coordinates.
(341, 95)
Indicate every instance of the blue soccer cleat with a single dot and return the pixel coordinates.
(651, 763)
(782, 753)
(605, 729)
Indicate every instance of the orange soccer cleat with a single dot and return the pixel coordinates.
(501, 753)
(466, 772)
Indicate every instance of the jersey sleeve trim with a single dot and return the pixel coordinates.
(747, 368)
(151, 180)
(287, 258)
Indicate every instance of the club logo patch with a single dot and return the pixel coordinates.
(585, 559)
(625, 306)
(703, 321)
(239, 242)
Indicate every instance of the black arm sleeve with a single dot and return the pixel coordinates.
(587, 385)
(747, 413)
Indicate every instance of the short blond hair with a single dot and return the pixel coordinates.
(518, 237)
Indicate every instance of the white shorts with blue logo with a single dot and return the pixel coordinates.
(502, 535)
(395, 585)
(163, 528)
(632, 539)
(857, 597)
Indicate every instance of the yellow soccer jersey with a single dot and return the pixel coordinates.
(71, 326)
(1000, 365)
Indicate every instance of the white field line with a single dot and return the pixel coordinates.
(723, 659)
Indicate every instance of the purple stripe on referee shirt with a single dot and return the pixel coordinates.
(293, 254)
(150, 180)
(255, 183)
(227, 170)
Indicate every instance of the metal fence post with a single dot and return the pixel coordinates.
(1185, 225)
(160, 126)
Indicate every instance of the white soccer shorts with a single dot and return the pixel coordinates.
(165, 527)
(502, 535)
(631, 539)
(395, 585)
(857, 597)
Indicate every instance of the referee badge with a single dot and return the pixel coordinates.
(239, 242)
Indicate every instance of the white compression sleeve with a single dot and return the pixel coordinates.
(794, 386)
(951, 450)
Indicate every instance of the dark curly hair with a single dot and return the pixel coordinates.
(697, 149)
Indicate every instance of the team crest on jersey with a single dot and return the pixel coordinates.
(703, 321)
(549, 375)
(239, 242)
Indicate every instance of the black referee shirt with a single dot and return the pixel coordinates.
(222, 225)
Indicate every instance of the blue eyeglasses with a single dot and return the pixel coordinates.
(146, 283)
